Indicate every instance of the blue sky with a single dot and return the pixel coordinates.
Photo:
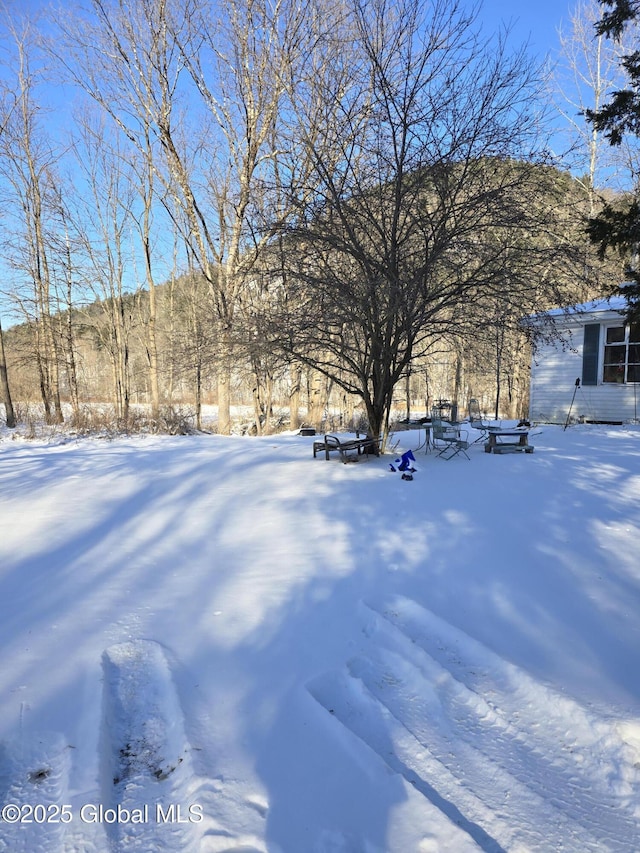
(536, 21)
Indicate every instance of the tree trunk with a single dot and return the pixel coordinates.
(257, 406)
(294, 397)
(153, 352)
(378, 421)
(52, 356)
(457, 389)
(72, 373)
(407, 394)
(317, 398)
(499, 354)
(121, 358)
(10, 416)
(224, 385)
(198, 395)
(147, 194)
(68, 333)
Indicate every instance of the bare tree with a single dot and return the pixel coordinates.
(427, 154)
(6, 108)
(28, 166)
(144, 223)
(63, 271)
(131, 59)
(112, 55)
(102, 220)
(586, 71)
(242, 69)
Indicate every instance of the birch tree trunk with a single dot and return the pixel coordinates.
(147, 193)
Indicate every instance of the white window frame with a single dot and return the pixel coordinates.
(623, 344)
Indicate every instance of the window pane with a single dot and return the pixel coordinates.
(634, 354)
(615, 335)
(634, 332)
(613, 373)
(614, 355)
(633, 373)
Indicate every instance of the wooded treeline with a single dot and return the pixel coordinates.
(268, 202)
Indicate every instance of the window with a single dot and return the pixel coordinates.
(622, 354)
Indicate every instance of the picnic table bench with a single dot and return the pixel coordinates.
(330, 443)
(494, 445)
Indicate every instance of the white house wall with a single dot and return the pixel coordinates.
(608, 402)
(553, 375)
(554, 372)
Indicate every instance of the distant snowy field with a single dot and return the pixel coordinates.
(222, 644)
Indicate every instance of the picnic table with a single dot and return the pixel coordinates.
(508, 441)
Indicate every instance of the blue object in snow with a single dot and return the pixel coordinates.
(404, 463)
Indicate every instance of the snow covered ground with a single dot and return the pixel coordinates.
(222, 644)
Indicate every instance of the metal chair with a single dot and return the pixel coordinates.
(476, 421)
(446, 437)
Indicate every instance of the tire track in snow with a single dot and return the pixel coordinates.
(513, 814)
(559, 750)
(225, 798)
(147, 769)
(146, 765)
(147, 779)
(516, 766)
(348, 700)
(34, 776)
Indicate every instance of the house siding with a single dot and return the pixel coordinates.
(556, 366)
(553, 375)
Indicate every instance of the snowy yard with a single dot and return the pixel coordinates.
(221, 644)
